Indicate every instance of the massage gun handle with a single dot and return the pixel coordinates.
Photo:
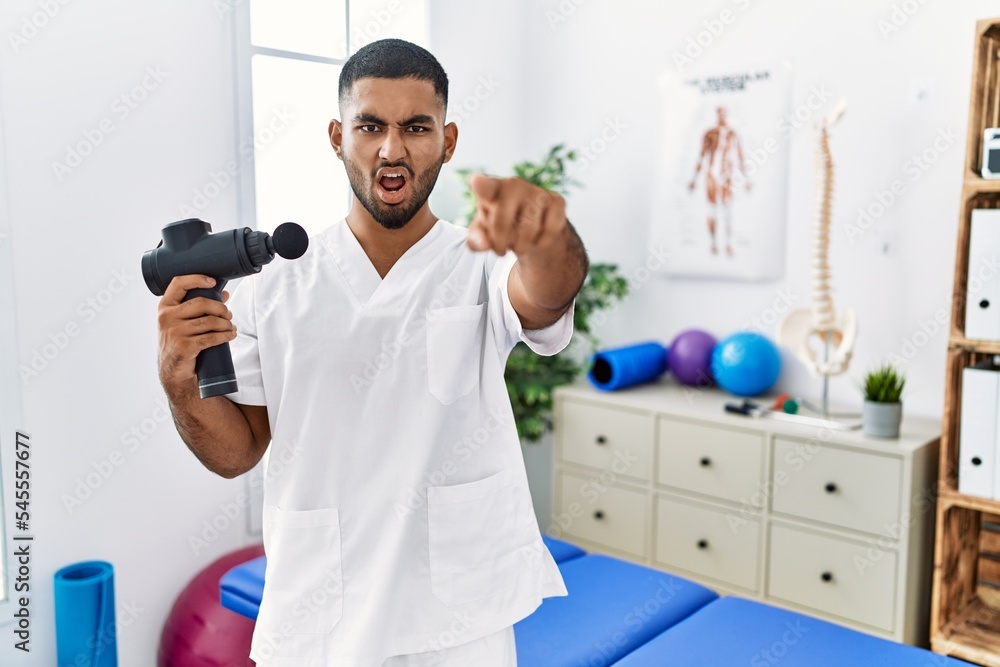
(214, 365)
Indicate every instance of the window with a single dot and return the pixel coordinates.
(289, 54)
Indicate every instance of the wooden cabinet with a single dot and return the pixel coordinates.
(830, 523)
(965, 612)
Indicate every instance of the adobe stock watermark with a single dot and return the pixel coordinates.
(781, 305)
(638, 617)
(224, 8)
(593, 149)
(928, 328)
(391, 349)
(704, 39)
(639, 276)
(87, 311)
(911, 344)
(899, 16)
(778, 649)
(279, 460)
(102, 470)
(270, 303)
(914, 168)
(923, 503)
(756, 157)
(562, 12)
(460, 625)
(468, 105)
(592, 490)
(219, 180)
(102, 638)
(34, 23)
(462, 450)
(368, 29)
(313, 602)
(795, 459)
(121, 108)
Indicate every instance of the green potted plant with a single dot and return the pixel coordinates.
(883, 408)
(531, 378)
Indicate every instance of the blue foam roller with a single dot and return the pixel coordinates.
(85, 615)
(622, 367)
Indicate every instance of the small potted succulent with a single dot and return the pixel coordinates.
(883, 409)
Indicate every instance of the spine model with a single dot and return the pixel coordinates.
(823, 315)
(833, 336)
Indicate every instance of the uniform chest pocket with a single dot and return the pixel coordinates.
(303, 582)
(476, 536)
(455, 338)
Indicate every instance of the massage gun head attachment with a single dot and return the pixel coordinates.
(189, 246)
(289, 241)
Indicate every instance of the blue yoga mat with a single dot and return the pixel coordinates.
(85, 615)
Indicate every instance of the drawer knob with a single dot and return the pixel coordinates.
(976, 461)
(827, 576)
(705, 462)
(601, 439)
(702, 544)
(598, 514)
(831, 488)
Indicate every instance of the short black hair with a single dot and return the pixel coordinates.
(393, 59)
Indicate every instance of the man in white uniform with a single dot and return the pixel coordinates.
(398, 524)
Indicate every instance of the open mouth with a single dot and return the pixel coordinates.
(392, 185)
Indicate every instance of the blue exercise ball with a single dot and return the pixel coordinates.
(746, 364)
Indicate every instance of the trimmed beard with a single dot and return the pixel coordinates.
(392, 216)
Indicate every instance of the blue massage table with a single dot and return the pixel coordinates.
(627, 615)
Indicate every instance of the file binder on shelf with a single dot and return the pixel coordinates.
(979, 464)
(982, 307)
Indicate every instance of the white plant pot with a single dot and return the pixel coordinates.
(881, 420)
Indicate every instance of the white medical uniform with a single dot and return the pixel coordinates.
(397, 517)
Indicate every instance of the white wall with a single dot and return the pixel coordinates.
(901, 89)
(904, 69)
(70, 239)
(486, 93)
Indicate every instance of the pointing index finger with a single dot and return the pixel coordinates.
(485, 188)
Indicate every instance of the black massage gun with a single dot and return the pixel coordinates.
(189, 246)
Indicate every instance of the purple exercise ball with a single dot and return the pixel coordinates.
(690, 357)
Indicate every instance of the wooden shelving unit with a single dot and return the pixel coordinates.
(965, 601)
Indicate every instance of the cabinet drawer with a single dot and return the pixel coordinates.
(607, 439)
(607, 515)
(839, 486)
(719, 462)
(834, 576)
(711, 542)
